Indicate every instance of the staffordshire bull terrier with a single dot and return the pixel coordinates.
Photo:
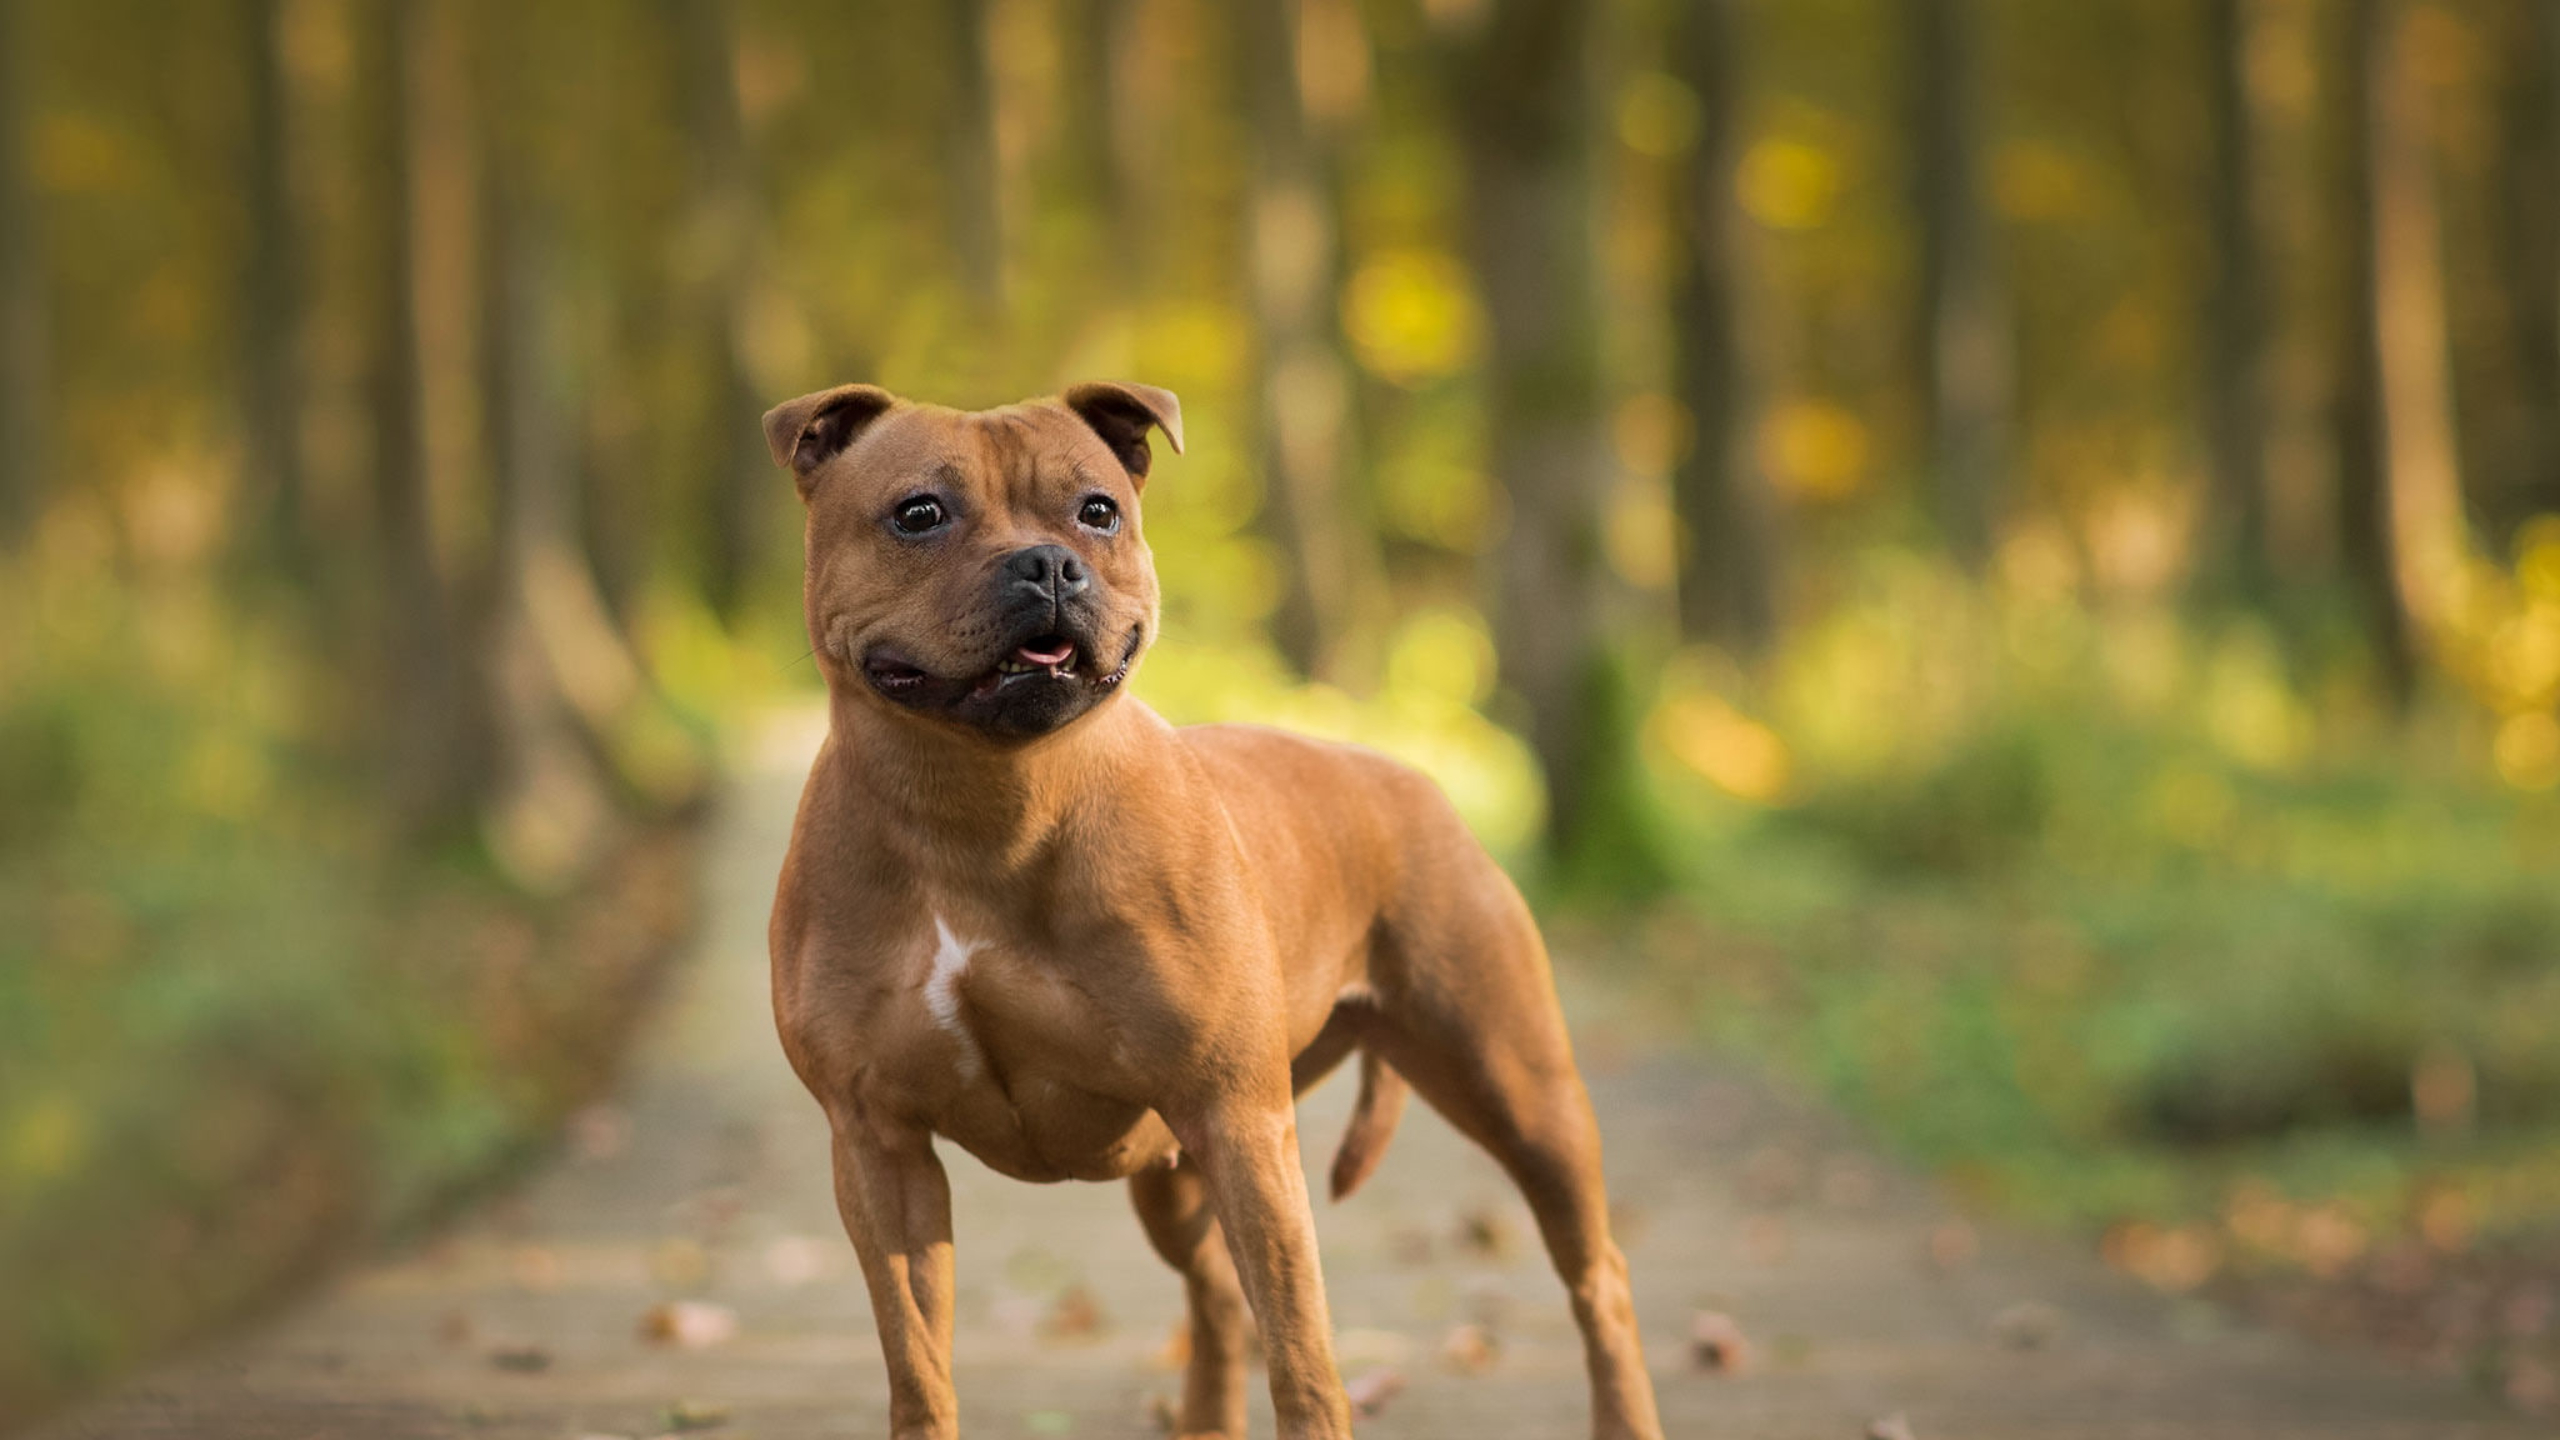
(1024, 914)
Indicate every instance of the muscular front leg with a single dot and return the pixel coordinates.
(1247, 1150)
(896, 1204)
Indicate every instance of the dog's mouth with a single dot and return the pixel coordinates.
(1039, 684)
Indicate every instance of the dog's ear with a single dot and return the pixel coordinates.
(1120, 414)
(806, 433)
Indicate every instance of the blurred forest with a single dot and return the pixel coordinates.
(2007, 551)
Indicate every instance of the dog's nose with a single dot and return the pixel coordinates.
(1051, 571)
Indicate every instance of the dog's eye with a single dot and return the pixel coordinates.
(917, 514)
(1100, 514)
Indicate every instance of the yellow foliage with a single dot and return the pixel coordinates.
(2192, 806)
(1815, 448)
(2538, 558)
(1703, 731)
(2528, 751)
(1788, 184)
(46, 1138)
(1444, 654)
(1412, 316)
(1641, 529)
(2250, 711)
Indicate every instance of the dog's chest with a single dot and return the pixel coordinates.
(1017, 1061)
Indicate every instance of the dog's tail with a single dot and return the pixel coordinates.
(1373, 1124)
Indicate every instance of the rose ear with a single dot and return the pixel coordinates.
(1121, 415)
(808, 432)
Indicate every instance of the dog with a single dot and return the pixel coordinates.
(1024, 914)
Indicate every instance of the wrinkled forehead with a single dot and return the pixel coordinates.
(1008, 451)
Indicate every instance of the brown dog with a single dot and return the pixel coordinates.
(1022, 912)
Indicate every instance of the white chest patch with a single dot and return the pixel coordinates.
(942, 988)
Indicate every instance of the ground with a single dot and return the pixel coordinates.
(1858, 1293)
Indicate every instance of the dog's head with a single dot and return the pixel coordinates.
(982, 568)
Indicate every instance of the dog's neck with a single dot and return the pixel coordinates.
(981, 797)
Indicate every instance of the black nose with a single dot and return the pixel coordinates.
(1051, 572)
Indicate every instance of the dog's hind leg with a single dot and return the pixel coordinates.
(1475, 1026)
(1173, 1205)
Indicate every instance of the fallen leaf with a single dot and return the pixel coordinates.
(1469, 1350)
(1370, 1391)
(524, 1359)
(695, 1415)
(1175, 1352)
(1162, 1412)
(1074, 1315)
(1952, 1246)
(2027, 1325)
(1717, 1344)
(1485, 1233)
(1895, 1426)
(536, 1269)
(688, 1324)
(679, 1264)
(599, 1132)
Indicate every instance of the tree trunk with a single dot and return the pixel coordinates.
(2529, 200)
(2235, 322)
(271, 313)
(738, 495)
(431, 727)
(1966, 354)
(2429, 538)
(1728, 545)
(24, 319)
(1103, 140)
(972, 215)
(2360, 435)
(1528, 118)
(1330, 572)
(550, 813)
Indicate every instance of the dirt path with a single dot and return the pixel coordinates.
(708, 1179)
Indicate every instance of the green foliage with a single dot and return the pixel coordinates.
(2094, 964)
(231, 1043)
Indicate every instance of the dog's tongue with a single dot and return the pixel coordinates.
(1046, 652)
